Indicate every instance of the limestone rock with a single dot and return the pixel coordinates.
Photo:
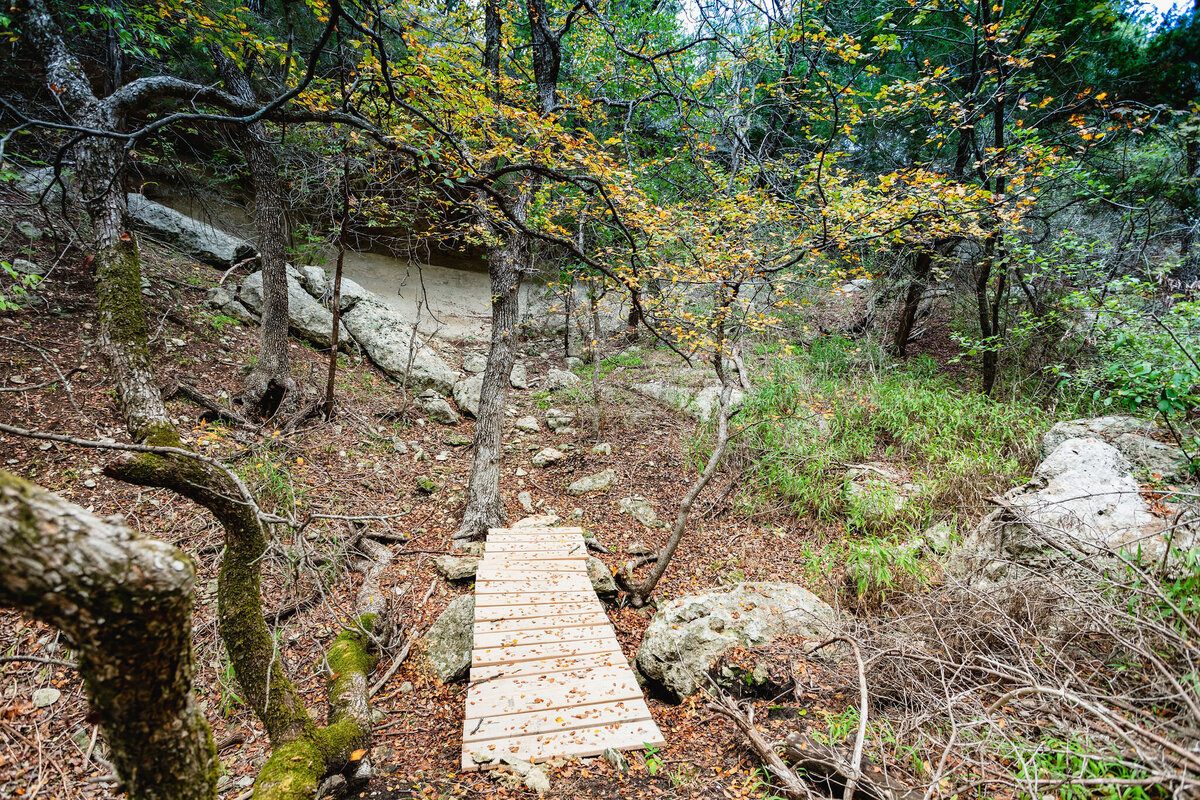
(601, 578)
(519, 377)
(603, 449)
(45, 697)
(1083, 498)
(687, 636)
(639, 549)
(547, 456)
(665, 394)
(456, 568)
(557, 419)
(468, 394)
(558, 379)
(26, 267)
(474, 363)
(427, 485)
(707, 402)
(193, 238)
(526, 501)
(307, 318)
(538, 521)
(701, 405)
(386, 337)
(527, 424)
(640, 509)
(446, 647)
(1131, 436)
(600, 482)
(436, 409)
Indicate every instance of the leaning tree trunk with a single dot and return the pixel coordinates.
(639, 593)
(124, 602)
(485, 506)
(269, 388)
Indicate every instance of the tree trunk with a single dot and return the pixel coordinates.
(269, 388)
(485, 507)
(124, 602)
(989, 313)
(912, 302)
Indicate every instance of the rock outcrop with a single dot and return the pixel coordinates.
(193, 238)
(468, 394)
(1129, 435)
(386, 336)
(1082, 503)
(688, 635)
(701, 405)
(307, 318)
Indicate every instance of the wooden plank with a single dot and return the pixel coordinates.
(491, 548)
(519, 638)
(546, 666)
(494, 574)
(565, 583)
(500, 533)
(536, 564)
(511, 598)
(554, 690)
(588, 605)
(533, 652)
(548, 677)
(556, 622)
(485, 729)
(580, 743)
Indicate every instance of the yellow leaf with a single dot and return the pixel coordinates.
(357, 754)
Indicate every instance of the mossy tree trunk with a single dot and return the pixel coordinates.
(302, 750)
(124, 602)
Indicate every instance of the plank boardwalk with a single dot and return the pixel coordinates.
(547, 675)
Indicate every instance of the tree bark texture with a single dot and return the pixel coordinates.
(485, 506)
(269, 387)
(124, 602)
(98, 164)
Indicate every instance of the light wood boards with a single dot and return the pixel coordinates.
(547, 674)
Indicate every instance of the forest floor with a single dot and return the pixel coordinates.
(352, 466)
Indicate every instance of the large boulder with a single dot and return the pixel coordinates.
(319, 283)
(193, 238)
(673, 397)
(1082, 500)
(687, 636)
(386, 336)
(468, 394)
(306, 317)
(446, 647)
(1131, 436)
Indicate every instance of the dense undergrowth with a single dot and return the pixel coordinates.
(816, 413)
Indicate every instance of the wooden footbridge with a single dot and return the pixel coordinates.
(547, 675)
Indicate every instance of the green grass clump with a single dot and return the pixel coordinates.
(843, 403)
